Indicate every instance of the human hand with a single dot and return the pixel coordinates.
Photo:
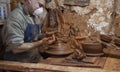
(44, 40)
(50, 33)
(51, 39)
(48, 40)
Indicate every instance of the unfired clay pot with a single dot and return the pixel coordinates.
(105, 38)
(93, 49)
(117, 42)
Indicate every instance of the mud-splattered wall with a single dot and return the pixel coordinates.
(117, 19)
(97, 14)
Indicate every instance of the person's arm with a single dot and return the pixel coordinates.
(27, 46)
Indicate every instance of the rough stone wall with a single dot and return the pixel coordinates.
(101, 19)
(99, 12)
(118, 7)
(117, 19)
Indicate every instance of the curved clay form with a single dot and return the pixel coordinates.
(93, 49)
(105, 38)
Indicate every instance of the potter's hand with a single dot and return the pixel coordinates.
(51, 39)
(51, 33)
(44, 40)
(48, 40)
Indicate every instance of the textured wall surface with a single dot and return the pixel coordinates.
(117, 19)
(99, 12)
(101, 19)
(118, 7)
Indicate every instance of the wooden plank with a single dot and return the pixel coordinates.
(88, 64)
(112, 52)
(90, 60)
(112, 64)
(101, 62)
(28, 67)
(113, 61)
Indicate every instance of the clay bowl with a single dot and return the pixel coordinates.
(93, 49)
(105, 38)
(117, 42)
(59, 49)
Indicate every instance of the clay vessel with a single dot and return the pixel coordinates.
(59, 49)
(117, 42)
(92, 48)
(105, 38)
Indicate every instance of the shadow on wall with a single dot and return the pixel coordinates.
(1, 46)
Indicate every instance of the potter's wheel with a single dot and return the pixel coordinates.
(59, 52)
(59, 49)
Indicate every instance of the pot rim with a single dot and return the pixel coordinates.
(91, 43)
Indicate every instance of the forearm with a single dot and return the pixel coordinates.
(27, 46)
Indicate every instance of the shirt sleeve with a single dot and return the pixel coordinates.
(13, 34)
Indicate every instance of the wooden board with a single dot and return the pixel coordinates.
(90, 60)
(113, 60)
(112, 52)
(112, 64)
(91, 63)
(38, 67)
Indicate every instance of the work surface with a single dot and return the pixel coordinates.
(112, 65)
